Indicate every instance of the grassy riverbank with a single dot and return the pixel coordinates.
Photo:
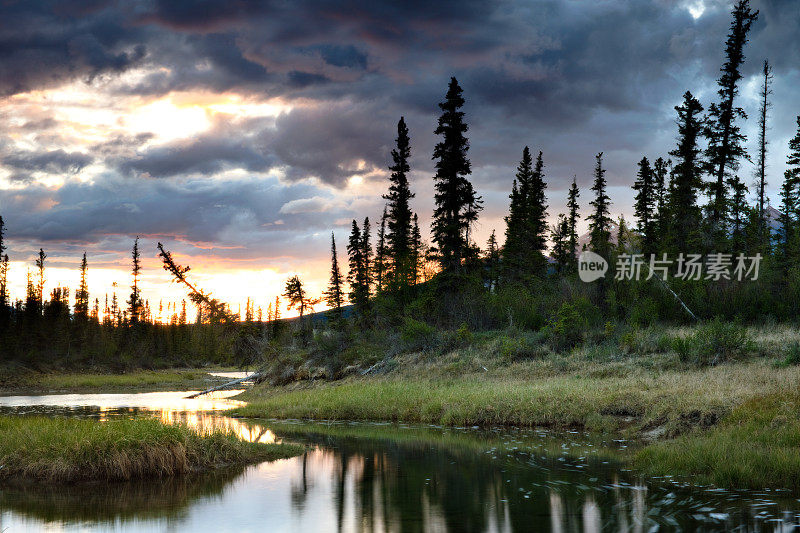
(68, 450)
(710, 402)
(29, 382)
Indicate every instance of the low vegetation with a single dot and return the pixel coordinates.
(68, 450)
(757, 445)
(698, 395)
(26, 381)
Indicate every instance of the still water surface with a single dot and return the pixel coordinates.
(381, 477)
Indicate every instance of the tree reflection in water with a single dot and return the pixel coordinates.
(381, 484)
(384, 477)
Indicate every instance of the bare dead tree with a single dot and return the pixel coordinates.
(216, 309)
(201, 299)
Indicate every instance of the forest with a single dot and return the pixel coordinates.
(391, 291)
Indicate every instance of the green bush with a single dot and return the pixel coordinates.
(713, 343)
(792, 355)
(566, 330)
(519, 347)
(417, 335)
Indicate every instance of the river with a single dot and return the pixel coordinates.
(381, 477)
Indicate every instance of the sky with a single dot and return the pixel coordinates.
(241, 134)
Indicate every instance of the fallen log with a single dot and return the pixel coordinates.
(252, 377)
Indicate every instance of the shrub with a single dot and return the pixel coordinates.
(566, 330)
(417, 335)
(521, 347)
(713, 343)
(792, 355)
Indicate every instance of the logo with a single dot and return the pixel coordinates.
(591, 266)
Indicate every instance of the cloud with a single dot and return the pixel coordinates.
(315, 204)
(53, 42)
(25, 162)
(570, 78)
(206, 155)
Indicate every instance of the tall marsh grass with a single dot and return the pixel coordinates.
(69, 449)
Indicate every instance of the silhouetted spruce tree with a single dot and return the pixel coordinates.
(761, 170)
(40, 260)
(793, 159)
(536, 230)
(660, 172)
(416, 250)
(358, 274)
(684, 214)
(248, 311)
(514, 251)
(622, 235)
(296, 294)
(334, 296)
(738, 214)
(82, 294)
(492, 262)
(600, 220)
(787, 246)
(785, 249)
(572, 220)
(135, 300)
(725, 140)
(457, 204)
(645, 205)
(366, 251)
(560, 235)
(5, 310)
(526, 223)
(381, 258)
(399, 216)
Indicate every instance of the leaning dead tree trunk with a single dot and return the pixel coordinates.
(201, 299)
(252, 377)
(216, 309)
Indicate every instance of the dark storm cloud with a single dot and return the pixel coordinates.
(51, 162)
(327, 142)
(570, 78)
(206, 155)
(197, 211)
(46, 42)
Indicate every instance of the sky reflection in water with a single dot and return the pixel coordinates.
(380, 477)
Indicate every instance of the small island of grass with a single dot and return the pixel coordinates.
(69, 450)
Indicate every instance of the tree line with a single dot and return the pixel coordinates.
(692, 199)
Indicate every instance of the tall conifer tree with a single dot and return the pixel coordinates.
(82, 294)
(572, 218)
(600, 219)
(536, 230)
(381, 256)
(399, 216)
(358, 274)
(725, 140)
(761, 170)
(135, 300)
(560, 236)
(334, 296)
(416, 250)
(514, 249)
(4, 292)
(457, 204)
(645, 204)
(684, 213)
